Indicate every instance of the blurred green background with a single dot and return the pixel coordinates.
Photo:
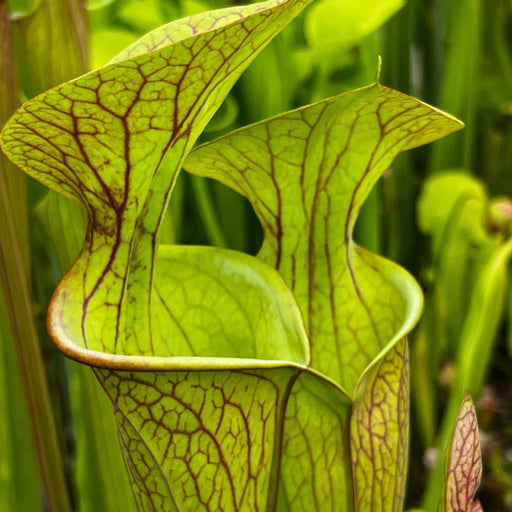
(443, 212)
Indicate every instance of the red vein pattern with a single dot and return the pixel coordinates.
(379, 433)
(315, 471)
(201, 440)
(307, 174)
(259, 430)
(205, 312)
(249, 440)
(465, 463)
(101, 139)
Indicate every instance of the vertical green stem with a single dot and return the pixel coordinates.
(399, 185)
(460, 87)
(207, 211)
(14, 280)
(20, 483)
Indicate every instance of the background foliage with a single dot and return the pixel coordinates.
(435, 212)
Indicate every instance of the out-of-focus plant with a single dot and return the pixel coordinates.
(471, 248)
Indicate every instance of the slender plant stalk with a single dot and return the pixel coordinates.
(14, 281)
(20, 487)
(459, 89)
(15, 285)
(208, 213)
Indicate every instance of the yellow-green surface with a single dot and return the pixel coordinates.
(238, 383)
(307, 174)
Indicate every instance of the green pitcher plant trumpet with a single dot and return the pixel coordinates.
(239, 383)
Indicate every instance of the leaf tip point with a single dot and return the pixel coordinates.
(379, 68)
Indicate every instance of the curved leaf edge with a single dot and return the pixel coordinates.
(403, 280)
(109, 360)
(131, 52)
(115, 63)
(458, 124)
(413, 302)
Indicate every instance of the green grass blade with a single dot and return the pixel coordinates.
(15, 286)
(19, 473)
(460, 90)
(475, 348)
(203, 197)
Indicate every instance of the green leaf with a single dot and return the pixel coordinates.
(307, 174)
(20, 8)
(108, 42)
(19, 472)
(233, 436)
(464, 469)
(478, 335)
(201, 305)
(211, 439)
(144, 16)
(380, 433)
(341, 49)
(293, 168)
(450, 208)
(453, 208)
(114, 139)
(204, 352)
